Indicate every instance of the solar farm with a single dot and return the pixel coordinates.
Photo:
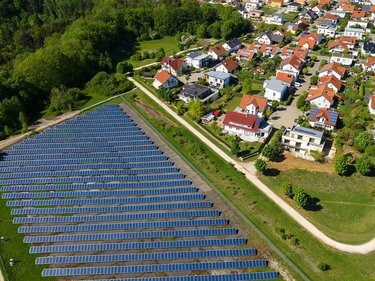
(97, 199)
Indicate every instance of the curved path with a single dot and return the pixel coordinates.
(355, 249)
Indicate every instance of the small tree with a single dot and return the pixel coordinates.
(305, 71)
(314, 79)
(123, 67)
(364, 165)
(301, 100)
(260, 165)
(187, 78)
(300, 197)
(341, 165)
(323, 266)
(270, 151)
(363, 140)
(317, 155)
(235, 149)
(196, 109)
(286, 188)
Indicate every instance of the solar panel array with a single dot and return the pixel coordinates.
(98, 199)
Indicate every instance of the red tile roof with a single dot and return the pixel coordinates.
(372, 100)
(348, 8)
(260, 103)
(175, 64)
(218, 50)
(359, 14)
(370, 61)
(323, 112)
(334, 66)
(310, 42)
(338, 43)
(230, 64)
(331, 16)
(324, 2)
(247, 122)
(294, 61)
(245, 54)
(348, 39)
(286, 77)
(324, 91)
(162, 76)
(330, 79)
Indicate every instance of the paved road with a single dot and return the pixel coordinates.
(244, 168)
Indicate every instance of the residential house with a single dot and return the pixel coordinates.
(326, 28)
(360, 15)
(302, 23)
(371, 105)
(332, 18)
(306, 43)
(269, 37)
(339, 13)
(173, 66)
(286, 52)
(292, 64)
(252, 5)
(302, 2)
(318, 9)
(247, 126)
(368, 48)
(293, 7)
(253, 105)
(331, 81)
(256, 15)
(286, 77)
(243, 55)
(197, 59)
(344, 43)
(291, 27)
(332, 68)
(347, 8)
(368, 8)
(357, 32)
(218, 79)
(323, 118)
(344, 59)
(275, 89)
(194, 91)
(165, 79)
(275, 3)
(313, 35)
(309, 15)
(369, 65)
(277, 19)
(324, 2)
(323, 97)
(227, 66)
(357, 24)
(217, 52)
(302, 140)
(265, 49)
(232, 45)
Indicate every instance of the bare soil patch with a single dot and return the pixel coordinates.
(153, 113)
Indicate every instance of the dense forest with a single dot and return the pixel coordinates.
(53, 53)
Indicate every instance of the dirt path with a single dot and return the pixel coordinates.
(357, 249)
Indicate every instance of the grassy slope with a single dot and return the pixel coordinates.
(347, 207)
(265, 215)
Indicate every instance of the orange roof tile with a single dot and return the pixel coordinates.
(370, 61)
(372, 105)
(239, 120)
(324, 2)
(331, 16)
(348, 39)
(330, 79)
(324, 91)
(359, 14)
(304, 40)
(286, 77)
(348, 8)
(162, 76)
(260, 103)
(175, 64)
(218, 50)
(336, 67)
(294, 61)
(337, 43)
(245, 53)
(230, 64)
(323, 112)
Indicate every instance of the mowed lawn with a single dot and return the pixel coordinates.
(348, 210)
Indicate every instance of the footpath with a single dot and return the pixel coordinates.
(249, 173)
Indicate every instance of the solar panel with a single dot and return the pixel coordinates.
(132, 135)
(152, 268)
(83, 144)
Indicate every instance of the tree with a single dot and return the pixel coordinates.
(260, 165)
(364, 165)
(314, 79)
(300, 197)
(305, 70)
(313, 58)
(301, 100)
(341, 165)
(124, 67)
(270, 151)
(323, 266)
(286, 188)
(235, 149)
(317, 155)
(196, 109)
(363, 140)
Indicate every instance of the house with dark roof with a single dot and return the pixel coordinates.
(269, 37)
(291, 27)
(368, 48)
(172, 65)
(165, 79)
(247, 126)
(253, 105)
(232, 45)
(294, 7)
(323, 118)
(309, 14)
(193, 92)
(197, 59)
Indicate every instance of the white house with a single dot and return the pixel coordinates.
(331, 81)
(344, 59)
(247, 126)
(293, 7)
(369, 64)
(227, 66)
(232, 45)
(323, 118)
(357, 32)
(166, 80)
(292, 64)
(371, 105)
(277, 19)
(302, 140)
(339, 13)
(172, 65)
(332, 68)
(197, 59)
(218, 79)
(326, 30)
(268, 37)
(253, 105)
(352, 23)
(217, 52)
(323, 97)
(275, 89)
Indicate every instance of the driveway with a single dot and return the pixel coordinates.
(285, 115)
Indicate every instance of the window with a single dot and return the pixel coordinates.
(299, 137)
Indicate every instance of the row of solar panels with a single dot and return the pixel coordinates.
(98, 121)
(92, 179)
(129, 235)
(82, 144)
(81, 155)
(86, 127)
(86, 166)
(107, 134)
(102, 116)
(225, 277)
(96, 193)
(104, 201)
(117, 217)
(146, 256)
(81, 150)
(111, 209)
(152, 268)
(137, 245)
(90, 173)
(95, 186)
(132, 135)
(118, 226)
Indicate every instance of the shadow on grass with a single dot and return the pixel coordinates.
(312, 204)
(279, 158)
(272, 172)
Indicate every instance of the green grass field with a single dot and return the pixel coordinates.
(347, 207)
(266, 215)
(268, 10)
(290, 16)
